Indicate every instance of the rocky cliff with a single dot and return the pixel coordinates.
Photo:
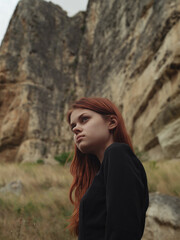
(38, 59)
(128, 51)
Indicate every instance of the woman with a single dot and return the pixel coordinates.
(111, 192)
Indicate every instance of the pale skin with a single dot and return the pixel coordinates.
(95, 131)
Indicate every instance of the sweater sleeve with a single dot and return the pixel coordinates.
(125, 194)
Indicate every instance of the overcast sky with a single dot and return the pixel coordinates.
(7, 8)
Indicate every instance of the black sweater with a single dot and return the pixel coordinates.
(114, 206)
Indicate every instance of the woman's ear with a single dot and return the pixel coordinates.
(112, 122)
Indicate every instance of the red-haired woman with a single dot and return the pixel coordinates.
(110, 183)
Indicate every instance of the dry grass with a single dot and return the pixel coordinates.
(40, 212)
(163, 176)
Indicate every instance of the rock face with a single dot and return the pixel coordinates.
(134, 59)
(127, 51)
(162, 218)
(38, 58)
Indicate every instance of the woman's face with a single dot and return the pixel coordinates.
(93, 129)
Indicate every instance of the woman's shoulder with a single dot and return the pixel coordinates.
(118, 147)
(119, 153)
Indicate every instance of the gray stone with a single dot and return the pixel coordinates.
(14, 187)
(162, 218)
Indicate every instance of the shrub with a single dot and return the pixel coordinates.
(40, 161)
(63, 158)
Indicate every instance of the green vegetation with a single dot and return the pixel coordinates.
(64, 157)
(40, 161)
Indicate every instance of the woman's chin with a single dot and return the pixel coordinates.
(83, 147)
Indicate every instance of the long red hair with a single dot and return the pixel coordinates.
(85, 166)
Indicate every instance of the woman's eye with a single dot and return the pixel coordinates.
(85, 118)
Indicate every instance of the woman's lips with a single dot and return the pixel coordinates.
(79, 139)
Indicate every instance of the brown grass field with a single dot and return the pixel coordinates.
(40, 212)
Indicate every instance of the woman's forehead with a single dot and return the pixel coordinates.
(76, 113)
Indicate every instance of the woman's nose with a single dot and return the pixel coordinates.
(77, 128)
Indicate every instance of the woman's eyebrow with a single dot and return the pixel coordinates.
(78, 118)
